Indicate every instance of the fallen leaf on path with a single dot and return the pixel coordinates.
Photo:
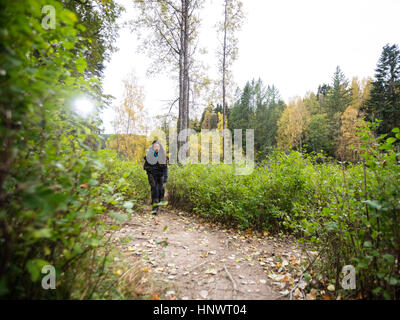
(155, 296)
(211, 271)
(312, 295)
(297, 293)
(302, 284)
(331, 287)
(170, 293)
(276, 277)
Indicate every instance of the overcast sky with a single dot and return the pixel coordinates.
(293, 44)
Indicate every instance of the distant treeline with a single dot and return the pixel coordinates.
(326, 120)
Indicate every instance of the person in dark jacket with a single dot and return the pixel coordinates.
(156, 166)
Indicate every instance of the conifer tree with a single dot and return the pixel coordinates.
(384, 101)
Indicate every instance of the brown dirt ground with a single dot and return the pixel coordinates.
(200, 260)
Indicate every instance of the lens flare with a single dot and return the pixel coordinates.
(83, 106)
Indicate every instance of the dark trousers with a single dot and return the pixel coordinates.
(157, 190)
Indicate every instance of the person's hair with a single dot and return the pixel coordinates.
(156, 142)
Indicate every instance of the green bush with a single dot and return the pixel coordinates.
(349, 212)
(361, 227)
(55, 186)
(275, 196)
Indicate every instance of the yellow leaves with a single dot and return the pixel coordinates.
(129, 121)
(348, 141)
(47, 250)
(312, 295)
(292, 124)
(221, 122)
(118, 272)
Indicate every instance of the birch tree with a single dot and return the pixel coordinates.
(232, 22)
(171, 41)
(129, 122)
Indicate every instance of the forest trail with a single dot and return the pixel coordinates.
(195, 259)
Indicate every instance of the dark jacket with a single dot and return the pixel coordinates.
(159, 168)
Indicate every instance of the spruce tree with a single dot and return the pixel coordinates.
(384, 101)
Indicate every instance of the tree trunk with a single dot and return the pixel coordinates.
(184, 73)
(223, 83)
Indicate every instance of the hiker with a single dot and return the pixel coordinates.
(156, 166)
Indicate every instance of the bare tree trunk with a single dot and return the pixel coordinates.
(181, 76)
(223, 82)
(175, 24)
(184, 72)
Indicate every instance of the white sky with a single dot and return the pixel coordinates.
(293, 44)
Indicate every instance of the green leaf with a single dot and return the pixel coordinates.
(68, 45)
(34, 267)
(120, 217)
(390, 140)
(93, 182)
(164, 244)
(3, 286)
(387, 295)
(377, 290)
(94, 242)
(331, 226)
(41, 233)
(367, 244)
(389, 258)
(128, 205)
(374, 204)
(393, 281)
(81, 64)
(77, 249)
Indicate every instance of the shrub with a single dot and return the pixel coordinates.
(351, 214)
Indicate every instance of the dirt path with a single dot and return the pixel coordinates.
(198, 260)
